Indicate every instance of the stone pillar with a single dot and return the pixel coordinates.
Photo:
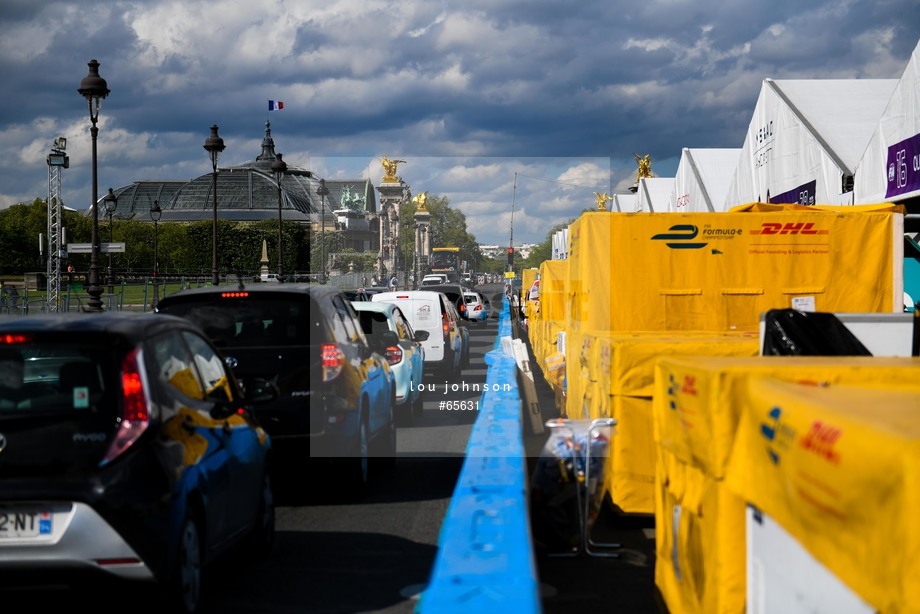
(392, 195)
(264, 261)
(422, 227)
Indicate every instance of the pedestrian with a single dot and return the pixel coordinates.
(394, 282)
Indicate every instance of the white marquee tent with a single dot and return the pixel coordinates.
(805, 139)
(654, 194)
(702, 180)
(889, 170)
(625, 203)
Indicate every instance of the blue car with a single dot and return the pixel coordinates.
(129, 452)
(336, 391)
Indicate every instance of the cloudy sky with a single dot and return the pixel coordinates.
(496, 104)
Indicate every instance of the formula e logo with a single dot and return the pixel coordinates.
(789, 228)
(683, 233)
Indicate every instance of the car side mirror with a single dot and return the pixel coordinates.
(422, 335)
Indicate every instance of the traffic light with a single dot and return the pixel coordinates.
(511, 256)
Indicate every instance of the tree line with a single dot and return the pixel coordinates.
(184, 248)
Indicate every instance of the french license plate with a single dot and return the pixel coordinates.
(20, 522)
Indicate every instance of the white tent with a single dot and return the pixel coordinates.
(561, 244)
(625, 203)
(805, 139)
(654, 194)
(702, 180)
(889, 170)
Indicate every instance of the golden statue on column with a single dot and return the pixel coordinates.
(389, 169)
(645, 166)
(421, 200)
(601, 200)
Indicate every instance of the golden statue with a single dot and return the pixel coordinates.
(601, 200)
(389, 169)
(421, 200)
(645, 166)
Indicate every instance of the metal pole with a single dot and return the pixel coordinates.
(95, 303)
(322, 190)
(111, 274)
(156, 266)
(215, 277)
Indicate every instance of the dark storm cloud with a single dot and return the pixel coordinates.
(363, 78)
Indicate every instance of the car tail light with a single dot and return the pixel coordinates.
(236, 294)
(478, 308)
(135, 414)
(333, 359)
(445, 326)
(14, 339)
(394, 354)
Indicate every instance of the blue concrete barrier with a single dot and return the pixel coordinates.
(485, 554)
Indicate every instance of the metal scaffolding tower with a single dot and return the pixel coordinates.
(57, 162)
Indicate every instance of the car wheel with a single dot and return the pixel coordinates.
(388, 437)
(448, 369)
(418, 406)
(354, 468)
(184, 592)
(262, 539)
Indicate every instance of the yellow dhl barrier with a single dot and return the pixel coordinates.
(838, 467)
(720, 271)
(696, 406)
(696, 411)
(619, 378)
(699, 541)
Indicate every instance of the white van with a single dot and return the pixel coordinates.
(431, 311)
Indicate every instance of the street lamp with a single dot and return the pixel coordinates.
(155, 213)
(279, 168)
(94, 89)
(111, 202)
(323, 191)
(214, 145)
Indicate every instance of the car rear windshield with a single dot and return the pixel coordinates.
(42, 374)
(252, 321)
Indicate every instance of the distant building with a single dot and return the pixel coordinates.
(249, 193)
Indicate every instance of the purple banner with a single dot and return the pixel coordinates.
(802, 195)
(903, 167)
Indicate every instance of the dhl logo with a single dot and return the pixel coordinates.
(821, 439)
(689, 386)
(789, 228)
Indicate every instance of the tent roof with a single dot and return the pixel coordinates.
(843, 112)
(715, 169)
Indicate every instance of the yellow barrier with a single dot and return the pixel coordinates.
(697, 410)
(720, 271)
(837, 467)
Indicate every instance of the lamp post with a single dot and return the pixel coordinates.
(94, 89)
(214, 145)
(155, 213)
(279, 168)
(323, 191)
(111, 202)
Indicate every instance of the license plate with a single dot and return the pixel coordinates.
(19, 523)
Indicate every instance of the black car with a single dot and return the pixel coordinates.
(336, 392)
(128, 451)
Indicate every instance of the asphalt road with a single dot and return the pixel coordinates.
(333, 556)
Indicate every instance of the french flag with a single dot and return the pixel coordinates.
(275, 105)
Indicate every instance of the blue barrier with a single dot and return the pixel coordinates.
(485, 553)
